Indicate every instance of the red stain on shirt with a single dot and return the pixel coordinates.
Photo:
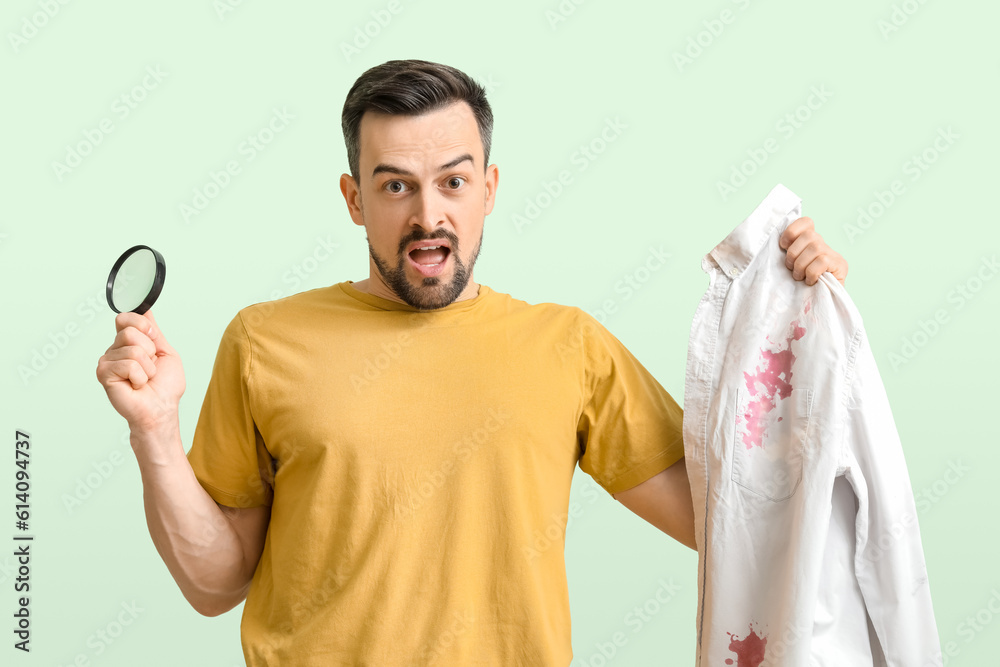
(771, 382)
(749, 651)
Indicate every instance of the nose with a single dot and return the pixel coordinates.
(429, 211)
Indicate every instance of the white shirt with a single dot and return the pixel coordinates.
(808, 545)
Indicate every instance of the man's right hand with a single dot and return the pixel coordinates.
(142, 374)
(211, 551)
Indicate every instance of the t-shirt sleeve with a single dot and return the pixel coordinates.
(228, 453)
(630, 427)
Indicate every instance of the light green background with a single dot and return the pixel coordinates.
(553, 88)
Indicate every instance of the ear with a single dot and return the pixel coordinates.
(492, 181)
(352, 195)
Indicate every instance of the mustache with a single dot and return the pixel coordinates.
(438, 234)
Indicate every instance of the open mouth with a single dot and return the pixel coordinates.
(430, 260)
(430, 255)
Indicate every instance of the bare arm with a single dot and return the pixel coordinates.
(665, 501)
(211, 551)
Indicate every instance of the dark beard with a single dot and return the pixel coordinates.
(432, 293)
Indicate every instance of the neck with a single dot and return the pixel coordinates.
(375, 286)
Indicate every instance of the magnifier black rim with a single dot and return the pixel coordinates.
(158, 278)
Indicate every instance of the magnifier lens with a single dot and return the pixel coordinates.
(136, 280)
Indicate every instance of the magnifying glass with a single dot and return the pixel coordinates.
(136, 280)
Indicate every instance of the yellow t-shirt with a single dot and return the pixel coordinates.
(418, 465)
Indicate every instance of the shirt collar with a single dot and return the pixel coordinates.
(385, 304)
(735, 252)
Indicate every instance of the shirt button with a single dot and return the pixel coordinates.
(733, 271)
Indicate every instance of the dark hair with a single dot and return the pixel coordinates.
(411, 88)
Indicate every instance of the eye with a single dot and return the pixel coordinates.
(455, 182)
(391, 187)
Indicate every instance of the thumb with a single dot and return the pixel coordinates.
(155, 335)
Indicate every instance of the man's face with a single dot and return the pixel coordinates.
(422, 183)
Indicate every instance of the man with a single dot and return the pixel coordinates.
(375, 461)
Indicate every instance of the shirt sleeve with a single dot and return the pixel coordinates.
(630, 427)
(228, 453)
(889, 560)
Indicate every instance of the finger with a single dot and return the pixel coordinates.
(793, 230)
(132, 337)
(838, 267)
(130, 319)
(816, 268)
(809, 256)
(156, 335)
(135, 353)
(803, 241)
(123, 370)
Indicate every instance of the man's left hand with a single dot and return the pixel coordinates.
(807, 254)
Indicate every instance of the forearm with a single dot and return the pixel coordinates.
(194, 538)
(665, 501)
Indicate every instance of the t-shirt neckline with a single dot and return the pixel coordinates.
(385, 304)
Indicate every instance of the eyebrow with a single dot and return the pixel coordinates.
(389, 169)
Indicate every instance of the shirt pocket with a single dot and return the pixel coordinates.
(769, 440)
